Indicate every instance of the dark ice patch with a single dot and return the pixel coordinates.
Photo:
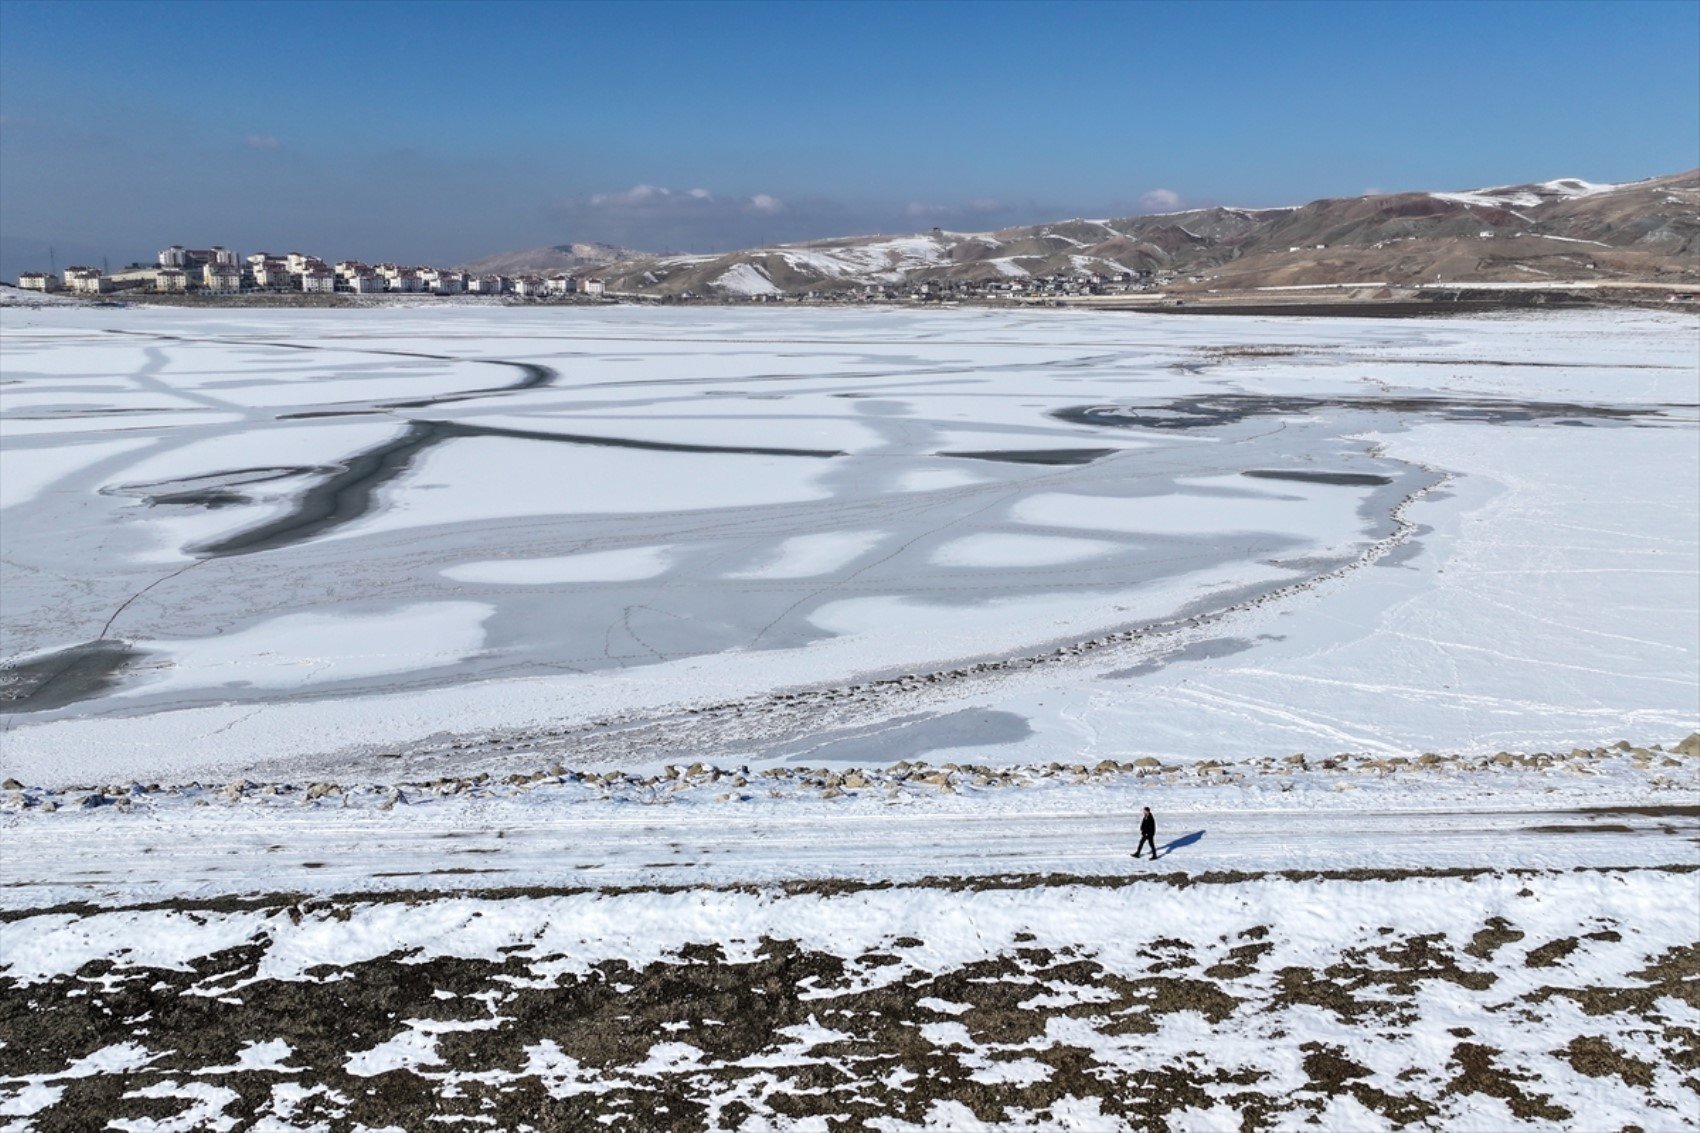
(1197, 651)
(64, 677)
(1058, 456)
(917, 736)
(349, 492)
(1411, 548)
(209, 490)
(1345, 479)
(533, 377)
(1212, 410)
(50, 413)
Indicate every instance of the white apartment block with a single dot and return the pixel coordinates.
(484, 285)
(273, 274)
(594, 286)
(200, 257)
(171, 279)
(38, 281)
(132, 276)
(318, 281)
(221, 277)
(560, 285)
(406, 281)
(87, 281)
(177, 256)
(368, 283)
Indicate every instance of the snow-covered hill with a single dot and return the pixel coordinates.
(1559, 229)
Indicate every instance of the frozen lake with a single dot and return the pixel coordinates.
(391, 540)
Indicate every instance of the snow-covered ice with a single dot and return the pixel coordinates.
(296, 650)
(1394, 536)
(593, 566)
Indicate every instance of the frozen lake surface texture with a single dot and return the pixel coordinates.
(394, 542)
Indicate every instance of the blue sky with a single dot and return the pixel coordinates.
(439, 132)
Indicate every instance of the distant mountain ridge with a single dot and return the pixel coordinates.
(1564, 229)
(552, 259)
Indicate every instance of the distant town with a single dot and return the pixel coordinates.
(219, 271)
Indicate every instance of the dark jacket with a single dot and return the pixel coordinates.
(1148, 827)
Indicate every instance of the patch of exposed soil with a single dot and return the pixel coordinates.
(1479, 1072)
(1596, 1057)
(1494, 935)
(713, 1035)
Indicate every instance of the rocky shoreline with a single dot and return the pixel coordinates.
(1663, 766)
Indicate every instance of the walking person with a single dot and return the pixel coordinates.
(1147, 833)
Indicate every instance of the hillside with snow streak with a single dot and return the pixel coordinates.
(1642, 231)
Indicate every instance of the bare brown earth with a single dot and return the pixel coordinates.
(516, 1043)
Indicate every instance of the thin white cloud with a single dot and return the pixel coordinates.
(658, 200)
(658, 218)
(636, 196)
(263, 142)
(974, 207)
(1160, 199)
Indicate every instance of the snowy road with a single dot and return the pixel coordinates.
(130, 859)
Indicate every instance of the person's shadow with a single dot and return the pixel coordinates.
(1168, 848)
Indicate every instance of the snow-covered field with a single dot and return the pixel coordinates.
(344, 651)
(1472, 1001)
